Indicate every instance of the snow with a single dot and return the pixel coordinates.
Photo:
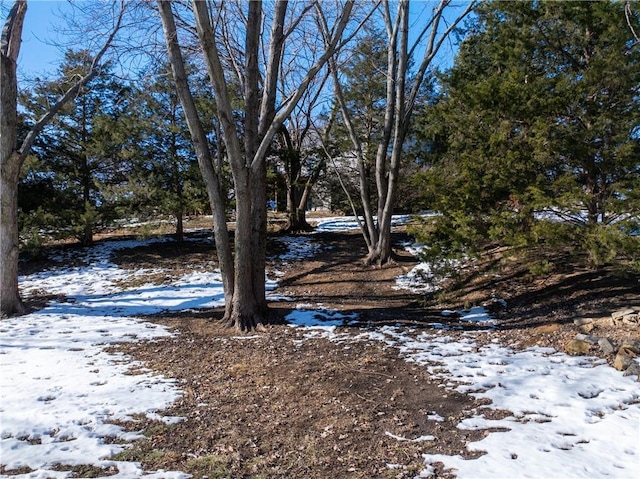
(349, 223)
(61, 388)
(571, 416)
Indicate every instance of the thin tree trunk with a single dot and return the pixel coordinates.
(369, 230)
(398, 111)
(203, 153)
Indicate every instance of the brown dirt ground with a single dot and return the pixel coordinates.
(275, 404)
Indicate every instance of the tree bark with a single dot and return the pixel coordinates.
(10, 162)
(203, 153)
(246, 311)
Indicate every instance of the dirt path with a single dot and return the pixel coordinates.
(279, 405)
(337, 278)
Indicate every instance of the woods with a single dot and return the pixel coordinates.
(527, 138)
(320, 238)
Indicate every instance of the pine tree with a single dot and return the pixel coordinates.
(77, 153)
(163, 177)
(539, 118)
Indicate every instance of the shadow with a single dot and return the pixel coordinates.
(139, 302)
(583, 294)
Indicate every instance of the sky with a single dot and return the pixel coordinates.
(570, 416)
(38, 55)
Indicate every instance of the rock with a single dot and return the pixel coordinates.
(587, 328)
(587, 338)
(624, 358)
(632, 345)
(582, 321)
(633, 370)
(546, 328)
(621, 313)
(578, 346)
(633, 318)
(604, 322)
(606, 345)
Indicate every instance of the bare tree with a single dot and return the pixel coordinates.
(10, 162)
(629, 16)
(299, 153)
(12, 155)
(402, 88)
(258, 66)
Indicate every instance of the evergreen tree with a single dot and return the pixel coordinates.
(77, 153)
(539, 119)
(163, 177)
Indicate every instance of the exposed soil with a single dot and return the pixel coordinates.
(276, 404)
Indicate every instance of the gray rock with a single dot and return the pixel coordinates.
(586, 337)
(621, 313)
(633, 370)
(606, 345)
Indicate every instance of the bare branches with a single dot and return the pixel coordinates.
(628, 13)
(433, 47)
(290, 103)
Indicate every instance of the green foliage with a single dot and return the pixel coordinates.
(542, 267)
(535, 137)
(117, 151)
(76, 153)
(163, 177)
(605, 243)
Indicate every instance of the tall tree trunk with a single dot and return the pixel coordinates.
(10, 162)
(247, 305)
(11, 303)
(203, 153)
(248, 166)
(257, 237)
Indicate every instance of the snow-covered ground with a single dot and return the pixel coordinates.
(60, 388)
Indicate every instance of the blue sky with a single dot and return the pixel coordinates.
(37, 55)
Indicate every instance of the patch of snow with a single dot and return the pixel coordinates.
(299, 248)
(477, 314)
(318, 318)
(418, 439)
(571, 416)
